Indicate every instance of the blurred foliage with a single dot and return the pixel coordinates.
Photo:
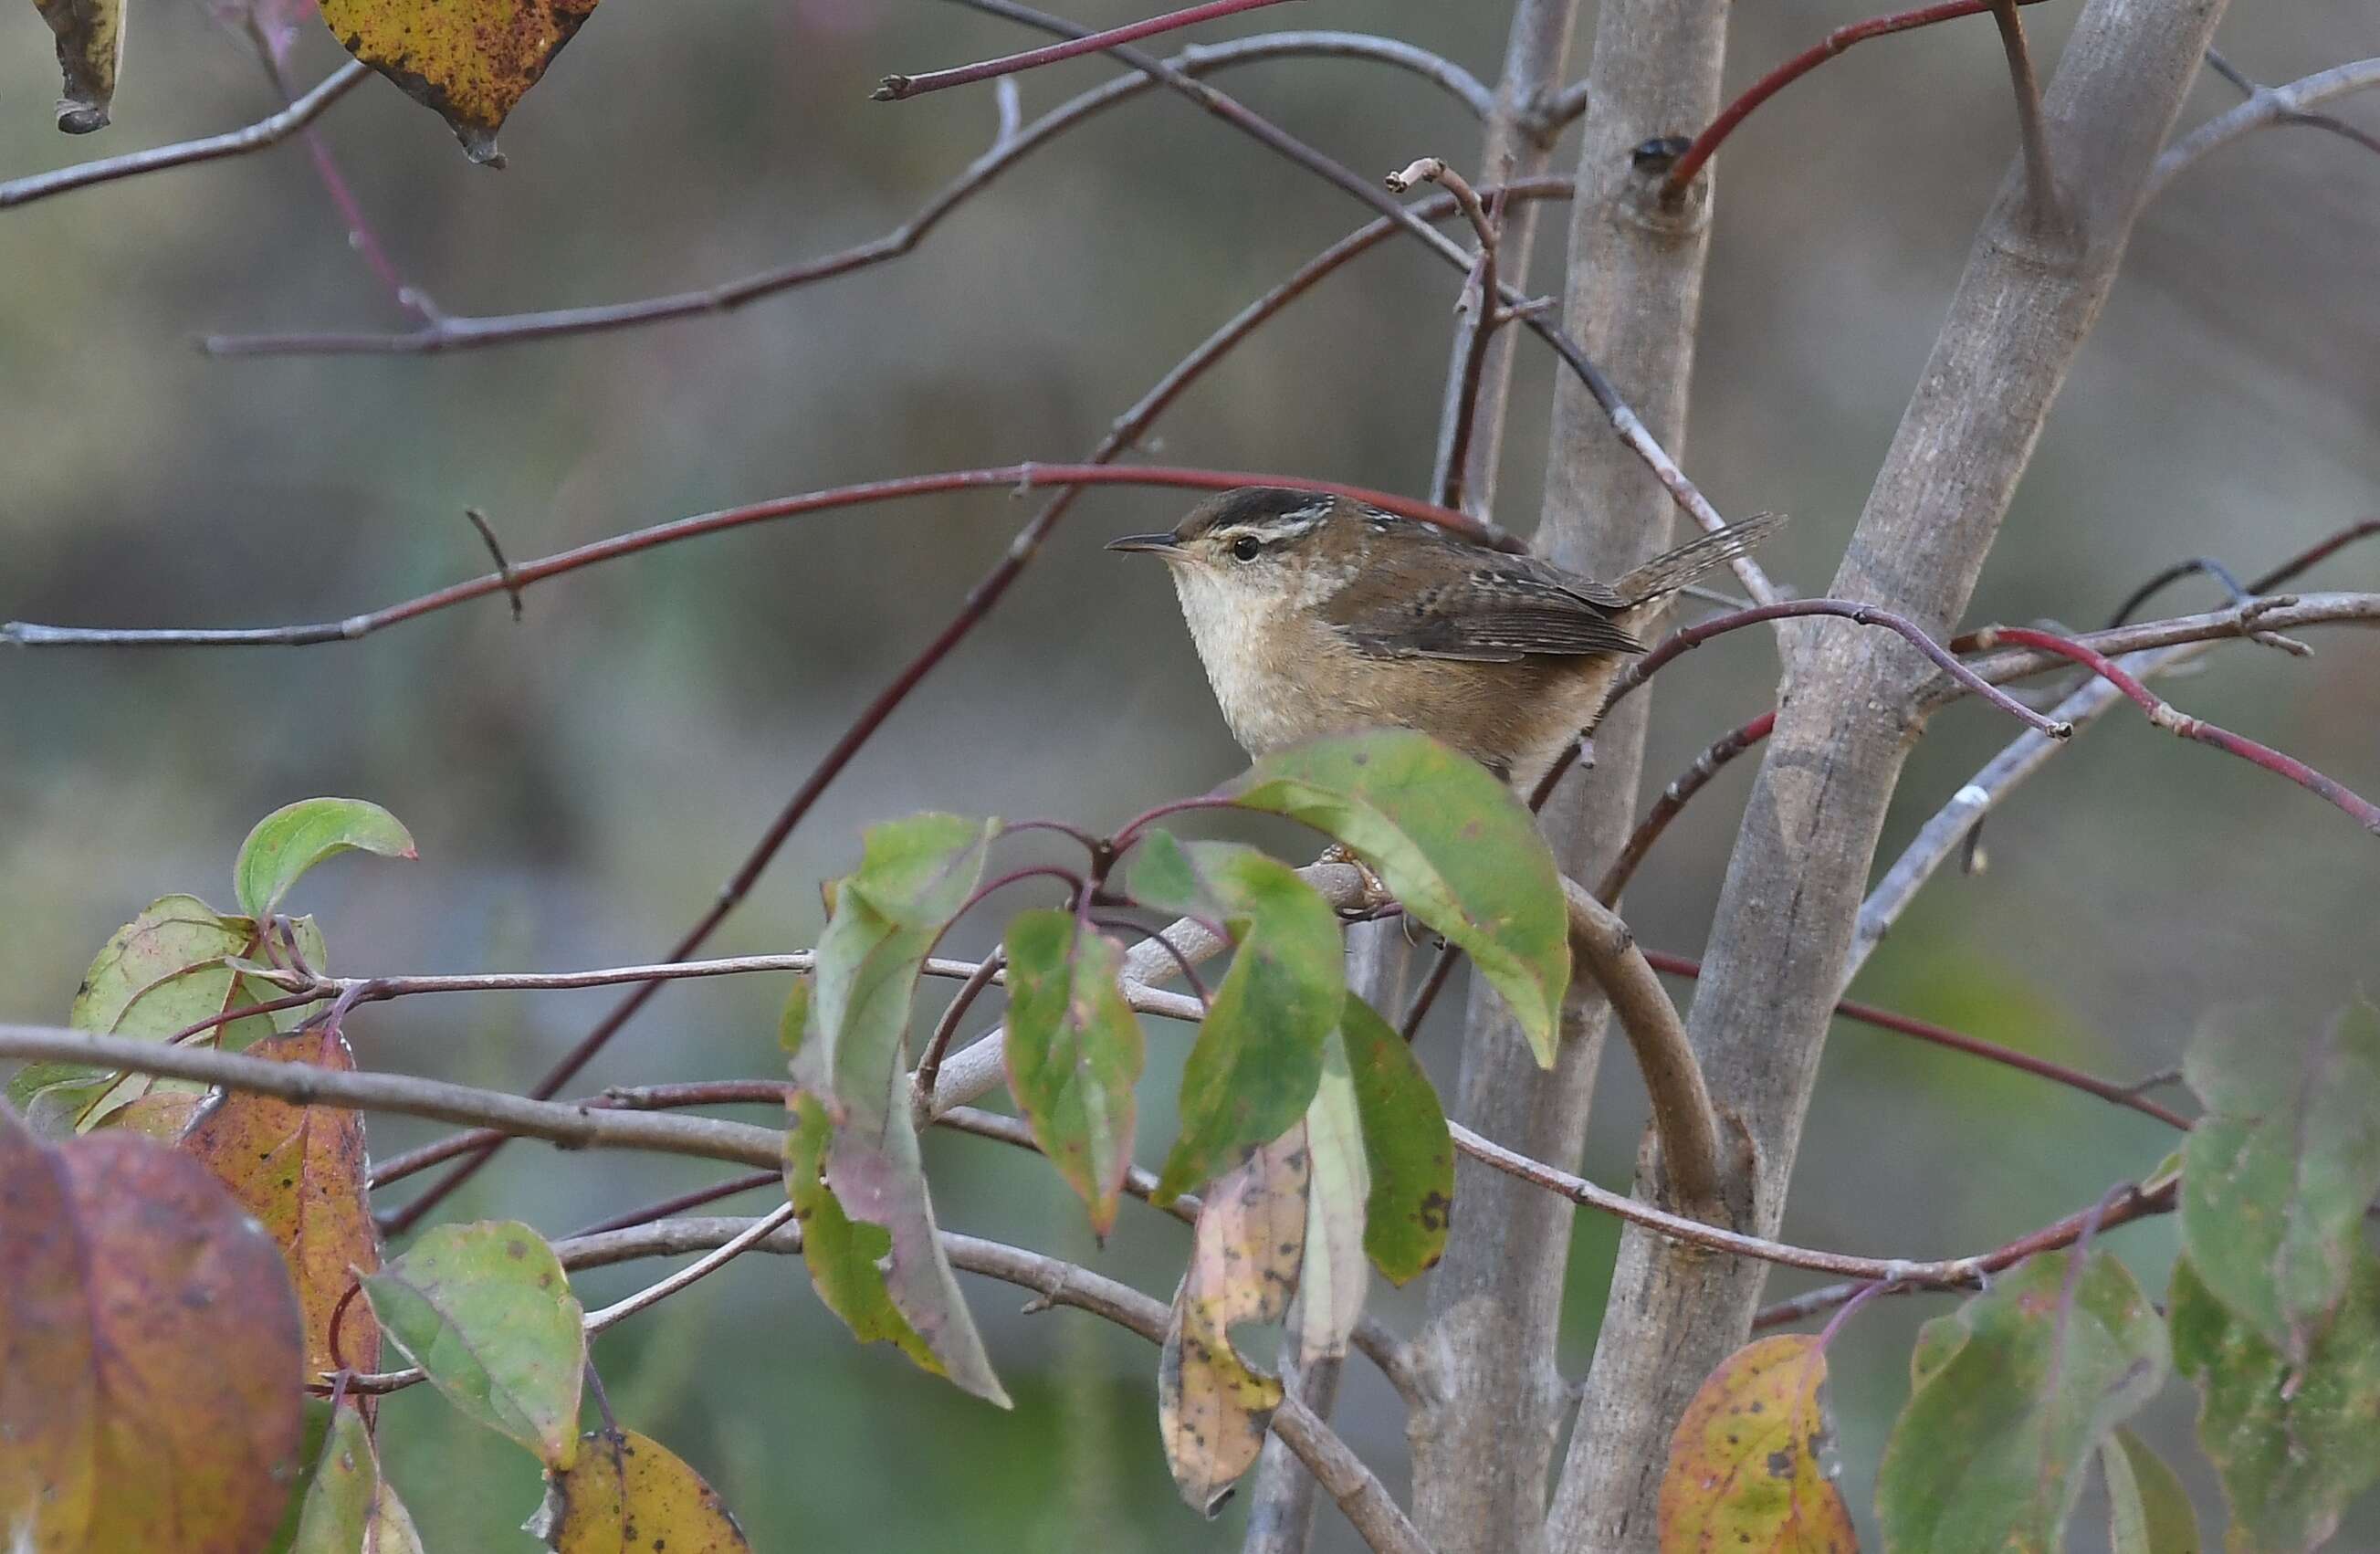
(580, 783)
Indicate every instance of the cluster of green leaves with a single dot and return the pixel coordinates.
(173, 1269)
(2273, 1312)
(1318, 1140)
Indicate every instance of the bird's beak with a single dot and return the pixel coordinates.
(1154, 544)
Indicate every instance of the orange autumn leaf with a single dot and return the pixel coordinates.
(300, 1169)
(470, 60)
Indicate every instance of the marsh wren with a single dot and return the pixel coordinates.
(1318, 614)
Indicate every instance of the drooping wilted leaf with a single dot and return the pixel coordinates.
(295, 837)
(91, 42)
(845, 1260)
(1406, 1147)
(1258, 1055)
(1212, 1406)
(349, 1508)
(2148, 1510)
(2293, 1441)
(300, 1169)
(486, 1312)
(628, 1494)
(1332, 1276)
(1745, 1473)
(2011, 1395)
(468, 60)
(2277, 1175)
(1450, 841)
(914, 875)
(1074, 1053)
(148, 1337)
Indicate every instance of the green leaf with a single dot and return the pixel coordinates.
(879, 1178)
(1450, 840)
(487, 1313)
(794, 1021)
(2277, 1176)
(2293, 1442)
(845, 1259)
(348, 1506)
(1258, 1055)
(1406, 1147)
(165, 971)
(1074, 1053)
(914, 876)
(295, 837)
(1333, 1278)
(2010, 1405)
(309, 1462)
(2148, 1510)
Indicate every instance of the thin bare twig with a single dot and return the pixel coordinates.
(455, 331)
(1959, 1042)
(897, 88)
(268, 131)
(1693, 637)
(2328, 123)
(1683, 786)
(929, 1066)
(1479, 316)
(661, 1289)
(2165, 716)
(1010, 477)
(679, 1203)
(2266, 106)
(2040, 174)
(1691, 162)
(2119, 1206)
(1683, 1115)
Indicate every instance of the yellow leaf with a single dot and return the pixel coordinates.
(1744, 1475)
(628, 1491)
(90, 40)
(471, 60)
(1212, 1406)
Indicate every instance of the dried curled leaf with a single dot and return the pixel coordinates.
(1745, 1474)
(1212, 1406)
(629, 1493)
(91, 42)
(1333, 1277)
(148, 1336)
(470, 61)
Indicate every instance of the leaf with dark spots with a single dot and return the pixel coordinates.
(1762, 1406)
(1407, 1149)
(629, 1493)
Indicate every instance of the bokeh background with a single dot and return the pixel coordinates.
(581, 782)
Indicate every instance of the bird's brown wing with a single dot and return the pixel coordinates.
(1496, 609)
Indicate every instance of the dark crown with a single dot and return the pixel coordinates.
(1259, 508)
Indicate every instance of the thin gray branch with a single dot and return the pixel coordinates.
(1369, 1506)
(564, 1123)
(2266, 108)
(268, 131)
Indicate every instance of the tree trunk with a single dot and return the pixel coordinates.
(2030, 294)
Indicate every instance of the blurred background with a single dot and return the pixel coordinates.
(580, 783)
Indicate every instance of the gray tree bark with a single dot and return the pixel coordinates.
(1483, 1449)
(1785, 919)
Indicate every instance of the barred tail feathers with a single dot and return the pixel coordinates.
(1667, 573)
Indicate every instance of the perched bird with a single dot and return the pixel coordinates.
(1318, 614)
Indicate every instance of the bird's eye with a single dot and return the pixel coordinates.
(1247, 547)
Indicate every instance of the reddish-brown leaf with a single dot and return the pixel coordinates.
(1745, 1476)
(300, 1169)
(148, 1334)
